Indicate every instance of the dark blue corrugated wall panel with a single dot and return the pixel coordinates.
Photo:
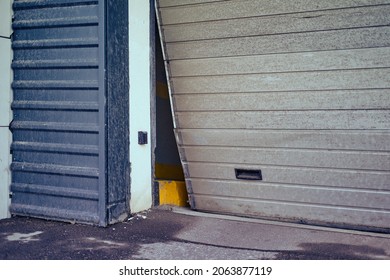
(59, 148)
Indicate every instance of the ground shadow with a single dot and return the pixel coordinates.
(334, 251)
(19, 238)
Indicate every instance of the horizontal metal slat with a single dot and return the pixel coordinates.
(359, 38)
(57, 22)
(55, 191)
(48, 212)
(325, 177)
(239, 9)
(293, 193)
(57, 148)
(66, 84)
(316, 120)
(298, 139)
(280, 24)
(54, 169)
(55, 43)
(377, 220)
(23, 4)
(290, 81)
(55, 105)
(286, 101)
(286, 157)
(55, 63)
(52, 126)
(282, 63)
(175, 3)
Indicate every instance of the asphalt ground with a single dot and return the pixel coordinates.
(181, 234)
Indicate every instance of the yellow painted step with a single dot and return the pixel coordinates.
(173, 193)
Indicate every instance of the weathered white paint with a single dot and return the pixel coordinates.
(298, 139)
(288, 23)
(5, 62)
(5, 18)
(5, 100)
(5, 81)
(140, 104)
(363, 160)
(24, 237)
(281, 43)
(309, 176)
(285, 62)
(320, 100)
(324, 195)
(5, 176)
(290, 211)
(187, 13)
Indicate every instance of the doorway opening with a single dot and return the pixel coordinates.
(169, 179)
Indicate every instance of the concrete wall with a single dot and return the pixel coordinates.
(5, 104)
(141, 92)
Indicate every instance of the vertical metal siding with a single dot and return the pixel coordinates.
(58, 148)
(297, 89)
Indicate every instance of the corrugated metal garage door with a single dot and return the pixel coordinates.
(282, 107)
(60, 132)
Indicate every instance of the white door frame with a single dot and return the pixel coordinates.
(141, 67)
(5, 105)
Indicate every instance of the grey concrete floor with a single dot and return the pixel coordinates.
(182, 234)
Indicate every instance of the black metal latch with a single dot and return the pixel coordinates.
(142, 137)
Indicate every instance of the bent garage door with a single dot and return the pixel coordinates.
(281, 108)
(70, 127)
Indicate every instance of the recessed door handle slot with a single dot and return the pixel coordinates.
(248, 174)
